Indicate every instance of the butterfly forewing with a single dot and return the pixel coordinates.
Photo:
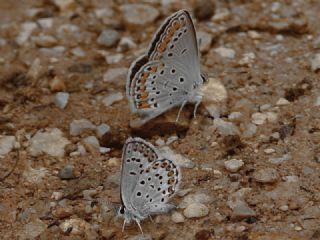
(156, 184)
(137, 155)
(164, 77)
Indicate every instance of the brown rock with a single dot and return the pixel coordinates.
(204, 9)
(57, 84)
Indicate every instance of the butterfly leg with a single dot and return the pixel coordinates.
(138, 223)
(182, 105)
(195, 108)
(124, 224)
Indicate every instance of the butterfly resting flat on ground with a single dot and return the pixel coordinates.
(147, 181)
(168, 75)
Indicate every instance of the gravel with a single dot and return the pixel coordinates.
(7, 143)
(233, 165)
(67, 172)
(108, 38)
(266, 175)
(139, 14)
(50, 142)
(61, 99)
(112, 98)
(225, 52)
(78, 126)
(196, 210)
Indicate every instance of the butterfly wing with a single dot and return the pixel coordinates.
(170, 71)
(158, 182)
(136, 156)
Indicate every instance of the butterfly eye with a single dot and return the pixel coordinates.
(121, 210)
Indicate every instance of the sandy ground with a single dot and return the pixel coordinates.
(264, 54)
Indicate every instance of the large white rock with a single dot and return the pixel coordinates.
(50, 142)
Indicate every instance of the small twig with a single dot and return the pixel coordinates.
(12, 170)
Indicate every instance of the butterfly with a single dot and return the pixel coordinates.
(168, 75)
(147, 181)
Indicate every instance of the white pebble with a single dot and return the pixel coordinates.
(282, 101)
(196, 210)
(259, 118)
(102, 129)
(112, 98)
(269, 151)
(78, 126)
(177, 217)
(233, 165)
(315, 62)
(61, 99)
(225, 52)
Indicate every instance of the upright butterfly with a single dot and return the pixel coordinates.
(168, 75)
(147, 181)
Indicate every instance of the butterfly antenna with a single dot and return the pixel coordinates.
(138, 223)
(182, 105)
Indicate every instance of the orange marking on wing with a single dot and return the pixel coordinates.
(162, 46)
(153, 69)
(167, 39)
(176, 25)
(144, 105)
(171, 31)
(183, 22)
(144, 95)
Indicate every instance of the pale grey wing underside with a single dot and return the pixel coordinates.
(136, 156)
(156, 184)
(170, 71)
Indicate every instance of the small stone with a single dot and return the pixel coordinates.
(26, 30)
(265, 107)
(298, 228)
(139, 14)
(57, 84)
(65, 5)
(113, 59)
(317, 102)
(57, 196)
(249, 130)
(272, 117)
(35, 176)
(61, 99)
(315, 62)
(102, 129)
(266, 175)
(78, 126)
(254, 35)
(193, 198)
(235, 116)
(203, 9)
(196, 210)
(113, 162)
(178, 159)
(225, 52)
(225, 128)
(45, 22)
(67, 172)
(7, 143)
(62, 212)
(247, 59)
(80, 68)
(126, 43)
(259, 118)
(104, 150)
(241, 210)
(141, 237)
(89, 194)
(93, 141)
(108, 38)
(74, 226)
(282, 102)
(35, 69)
(205, 40)
(50, 142)
(33, 229)
(172, 139)
(284, 208)
(279, 160)
(233, 165)
(240, 229)
(112, 98)
(78, 52)
(269, 151)
(222, 14)
(45, 41)
(177, 217)
(115, 75)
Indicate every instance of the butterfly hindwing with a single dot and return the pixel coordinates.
(156, 184)
(137, 155)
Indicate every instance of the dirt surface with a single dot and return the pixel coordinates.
(264, 54)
